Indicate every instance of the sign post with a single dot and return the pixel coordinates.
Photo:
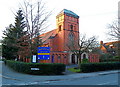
(43, 53)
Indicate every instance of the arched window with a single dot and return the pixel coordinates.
(59, 57)
(65, 57)
(53, 58)
(84, 56)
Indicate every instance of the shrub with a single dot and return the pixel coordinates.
(92, 67)
(117, 57)
(85, 60)
(44, 68)
(106, 57)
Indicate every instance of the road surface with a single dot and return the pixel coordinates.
(10, 77)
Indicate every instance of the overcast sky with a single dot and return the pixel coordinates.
(94, 14)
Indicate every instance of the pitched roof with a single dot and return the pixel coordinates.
(48, 35)
(109, 43)
(105, 46)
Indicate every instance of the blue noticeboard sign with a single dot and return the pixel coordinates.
(43, 53)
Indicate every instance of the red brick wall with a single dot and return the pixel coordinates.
(63, 58)
(94, 58)
(59, 43)
(71, 21)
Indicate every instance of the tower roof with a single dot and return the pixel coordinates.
(69, 13)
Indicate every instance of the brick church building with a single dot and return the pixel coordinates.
(62, 39)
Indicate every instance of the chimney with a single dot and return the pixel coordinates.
(101, 42)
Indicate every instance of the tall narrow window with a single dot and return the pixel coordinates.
(65, 57)
(71, 36)
(59, 56)
(71, 27)
(60, 27)
(71, 39)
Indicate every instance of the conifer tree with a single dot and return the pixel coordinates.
(19, 24)
(12, 34)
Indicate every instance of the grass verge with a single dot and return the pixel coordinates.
(76, 70)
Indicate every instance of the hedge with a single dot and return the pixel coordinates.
(93, 67)
(44, 68)
(109, 60)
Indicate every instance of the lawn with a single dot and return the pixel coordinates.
(77, 70)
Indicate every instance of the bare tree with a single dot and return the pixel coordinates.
(83, 45)
(114, 30)
(36, 17)
(88, 44)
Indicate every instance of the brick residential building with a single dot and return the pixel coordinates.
(110, 47)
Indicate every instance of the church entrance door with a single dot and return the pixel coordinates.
(73, 58)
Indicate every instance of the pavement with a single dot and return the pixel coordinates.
(71, 66)
(81, 75)
(67, 72)
(32, 79)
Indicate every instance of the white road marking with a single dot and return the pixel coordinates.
(9, 78)
(47, 82)
(107, 83)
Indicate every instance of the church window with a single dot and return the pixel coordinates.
(71, 39)
(59, 57)
(71, 36)
(60, 27)
(84, 56)
(65, 57)
(71, 27)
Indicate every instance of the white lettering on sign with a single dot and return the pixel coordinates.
(35, 69)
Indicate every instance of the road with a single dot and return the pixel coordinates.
(10, 77)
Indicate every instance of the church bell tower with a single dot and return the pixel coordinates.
(68, 30)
